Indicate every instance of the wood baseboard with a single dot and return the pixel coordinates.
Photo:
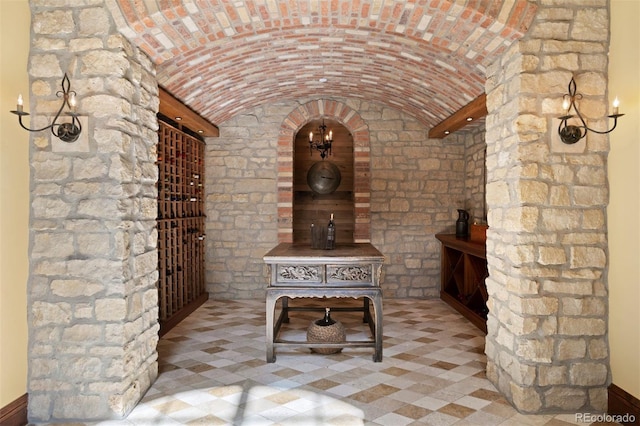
(186, 310)
(15, 413)
(622, 403)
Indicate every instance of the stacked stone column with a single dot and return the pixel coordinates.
(92, 296)
(547, 342)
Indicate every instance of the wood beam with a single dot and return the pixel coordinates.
(172, 108)
(475, 110)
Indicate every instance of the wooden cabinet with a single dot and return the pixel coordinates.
(462, 278)
(181, 222)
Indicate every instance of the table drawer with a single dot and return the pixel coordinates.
(321, 275)
(350, 274)
(298, 274)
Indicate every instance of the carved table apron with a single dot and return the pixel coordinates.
(297, 270)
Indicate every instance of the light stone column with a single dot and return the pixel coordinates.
(93, 310)
(547, 348)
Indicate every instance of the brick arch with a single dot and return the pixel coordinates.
(352, 120)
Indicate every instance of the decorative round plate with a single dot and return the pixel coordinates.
(323, 177)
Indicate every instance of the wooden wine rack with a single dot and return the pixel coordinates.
(463, 273)
(181, 225)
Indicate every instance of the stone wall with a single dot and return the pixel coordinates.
(475, 172)
(416, 186)
(93, 308)
(547, 345)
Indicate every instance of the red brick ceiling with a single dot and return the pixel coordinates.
(424, 57)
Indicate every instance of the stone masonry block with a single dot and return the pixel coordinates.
(54, 22)
(94, 21)
(583, 306)
(525, 398)
(590, 24)
(83, 333)
(588, 374)
(565, 398)
(534, 305)
(598, 349)
(75, 288)
(588, 257)
(47, 207)
(560, 219)
(590, 195)
(551, 255)
(593, 219)
(552, 375)
(94, 244)
(52, 244)
(89, 168)
(582, 326)
(520, 254)
(106, 208)
(79, 406)
(57, 168)
(532, 192)
(538, 350)
(111, 309)
(571, 349)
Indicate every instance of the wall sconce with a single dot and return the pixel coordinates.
(571, 134)
(68, 132)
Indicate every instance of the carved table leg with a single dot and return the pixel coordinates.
(270, 311)
(377, 307)
(365, 317)
(285, 309)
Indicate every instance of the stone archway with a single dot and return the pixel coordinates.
(352, 120)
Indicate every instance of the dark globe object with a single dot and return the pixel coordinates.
(323, 177)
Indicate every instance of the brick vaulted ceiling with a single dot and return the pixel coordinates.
(424, 57)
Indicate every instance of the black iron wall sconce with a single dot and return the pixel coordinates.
(570, 133)
(68, 132)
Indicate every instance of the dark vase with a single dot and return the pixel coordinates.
(462, 224)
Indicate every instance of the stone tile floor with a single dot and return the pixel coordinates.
(212, 371)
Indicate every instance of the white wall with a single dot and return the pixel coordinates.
(14, 200)
(624, 206)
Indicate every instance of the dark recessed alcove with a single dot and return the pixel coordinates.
(310, 207)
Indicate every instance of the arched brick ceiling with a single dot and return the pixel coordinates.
(424, 57)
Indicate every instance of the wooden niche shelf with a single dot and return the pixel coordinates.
(462, 278)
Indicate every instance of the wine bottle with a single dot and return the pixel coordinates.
(327, 320)
(331, 234)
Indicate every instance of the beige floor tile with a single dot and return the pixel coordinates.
(212, 371)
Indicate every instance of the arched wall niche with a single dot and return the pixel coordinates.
(333, 177)
(291, 125)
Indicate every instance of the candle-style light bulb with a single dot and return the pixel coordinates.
(331, 134)
(20, 102)
(616, 104)
(310, 136)
(72, 102)
(565, 104)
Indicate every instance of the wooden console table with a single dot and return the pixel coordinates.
(462, 275)
(297, 270)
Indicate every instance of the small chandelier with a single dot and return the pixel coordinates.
(68, 132)
(323, 143)
(571, 134)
